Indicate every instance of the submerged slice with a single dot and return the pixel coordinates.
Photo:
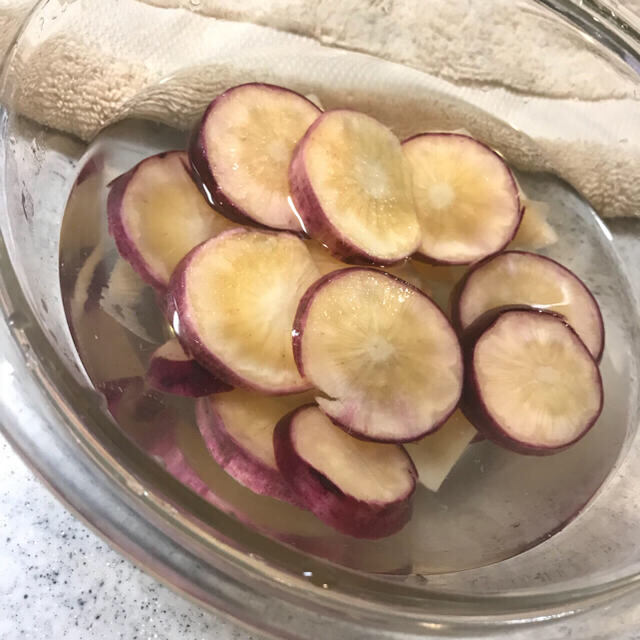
(237, 428)
(519, 277)
(359, 488)
(242, 150)
(171, 370)
(535, 232)
(466, 197)
(351, 186)
(382, 351)
(235, 298)
(157, 215)
(530, 382)
(436, 454)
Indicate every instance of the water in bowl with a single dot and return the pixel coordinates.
(494, 505)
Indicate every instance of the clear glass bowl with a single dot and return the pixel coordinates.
(90, 87)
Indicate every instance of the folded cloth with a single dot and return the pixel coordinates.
(83, 70)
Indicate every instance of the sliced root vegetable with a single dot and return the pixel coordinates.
(531, 384)
(351, 186)
(157, 215)
(89, 282)
(155, 427)
(466, 197)
(237, 428)
(242, 149)
(535, 231)
(436, 454)
(519, 277)
(235, 298)
(327, 262)
(171, 370)
(382, 351)
(360, 488)
(129, 301)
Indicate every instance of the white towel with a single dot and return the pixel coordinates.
(124, 58)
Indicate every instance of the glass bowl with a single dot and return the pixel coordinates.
(90, 87)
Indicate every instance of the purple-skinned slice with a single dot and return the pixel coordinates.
(237, 428)
(531, 384)
(171, 370)
(360, 488)
(466, 197)
(351, 187)
(234, 299)
(520, 277)
(381, 351)
(241, 150)
(157, 215)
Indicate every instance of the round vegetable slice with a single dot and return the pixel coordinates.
(171, 370)
(359, 488)
(242, 150)
(351, 186)
(519, 277)
(382, 351)
(157, 215)
(234, 299)
(466, 197)
(237, 428)
(531, 384)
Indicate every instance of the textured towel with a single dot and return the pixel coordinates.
(581, 111)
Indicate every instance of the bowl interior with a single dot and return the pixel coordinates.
(502, 522)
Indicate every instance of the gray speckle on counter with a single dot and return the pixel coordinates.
(59, 580)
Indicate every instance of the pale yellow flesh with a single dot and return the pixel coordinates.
(466, 200)
(250, 418)
(436, 454)
(535, 231)
(166, 215)
(515, 278)
(243, 291)
(357, 170)
(536, 379)
(327, 263)
(250, 137)
(367, 471)
(171, 350)
(382, 348)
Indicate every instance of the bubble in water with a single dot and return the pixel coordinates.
(17, 320)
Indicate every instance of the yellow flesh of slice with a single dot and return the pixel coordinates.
(171, 350)
(368, 471)
(250, 138)
(534, 232)
(358, 172)
(243, 294)
(515, 278)
(166, 214)
(436, 454)
(250, 418)
(465, 198)
(372, 343)
(536, 379)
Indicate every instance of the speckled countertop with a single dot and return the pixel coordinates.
(59, 580)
